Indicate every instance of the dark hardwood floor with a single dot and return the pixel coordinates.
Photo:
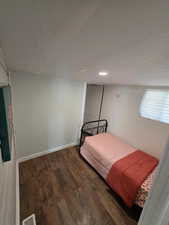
(62, 189)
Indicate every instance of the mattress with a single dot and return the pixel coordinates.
(103, 150)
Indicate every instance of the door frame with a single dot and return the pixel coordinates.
(156, 209)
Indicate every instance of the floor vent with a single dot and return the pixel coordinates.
(29, 220)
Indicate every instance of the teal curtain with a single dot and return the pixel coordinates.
(4, 138)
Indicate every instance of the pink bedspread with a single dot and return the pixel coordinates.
(103, 150)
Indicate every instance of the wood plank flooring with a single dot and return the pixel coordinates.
(62, 189)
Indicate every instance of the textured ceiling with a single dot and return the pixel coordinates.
(75, 39)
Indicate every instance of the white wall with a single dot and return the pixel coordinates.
(121, 108)
(93, 99)
(8, 191)
(3, 68)
(47, 112)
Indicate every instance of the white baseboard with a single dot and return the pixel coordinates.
(25, 158)
(35, 155)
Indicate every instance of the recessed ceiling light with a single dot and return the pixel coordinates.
(103, 73)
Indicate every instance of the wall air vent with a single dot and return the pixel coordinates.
(29, 220)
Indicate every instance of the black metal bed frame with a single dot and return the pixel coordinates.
(92, 128)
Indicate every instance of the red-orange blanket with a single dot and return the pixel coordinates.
(128, 174)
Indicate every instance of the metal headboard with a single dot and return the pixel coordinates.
(92, 128)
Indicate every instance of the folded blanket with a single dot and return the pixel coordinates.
(127, 175)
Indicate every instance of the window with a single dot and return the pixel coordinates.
(155, 105)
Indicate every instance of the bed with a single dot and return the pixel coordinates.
(103, 150)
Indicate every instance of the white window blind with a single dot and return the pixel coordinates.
(155, 105)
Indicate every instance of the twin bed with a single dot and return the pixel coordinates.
(104, 151)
